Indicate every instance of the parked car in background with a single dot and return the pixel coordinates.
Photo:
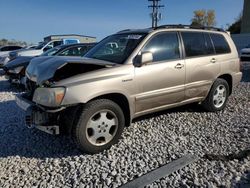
(127, 75)
(245, 53)
(4, 53)
(31, 47)
(15, 69)
(6, 49)
(42, 47)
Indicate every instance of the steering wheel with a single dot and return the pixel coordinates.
(108, 50)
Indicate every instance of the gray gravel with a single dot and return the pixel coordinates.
(30, 158)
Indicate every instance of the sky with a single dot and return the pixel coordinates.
(32, 20)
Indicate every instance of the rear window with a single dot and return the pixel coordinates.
(197, 44)
(220, 44)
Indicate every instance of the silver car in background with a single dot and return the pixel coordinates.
(4, 53)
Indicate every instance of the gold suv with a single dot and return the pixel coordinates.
(126, 75)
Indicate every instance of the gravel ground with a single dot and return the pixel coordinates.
(30, 158)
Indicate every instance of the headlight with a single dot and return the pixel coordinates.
(16, 70)
(4, 59)
(51, 97)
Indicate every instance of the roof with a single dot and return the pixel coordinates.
(69, 35)
(147, 30)
(77, 44)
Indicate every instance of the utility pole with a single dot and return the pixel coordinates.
(155, 15)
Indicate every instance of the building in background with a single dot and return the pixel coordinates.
(81, 38)
(243, 39)
(245, 27)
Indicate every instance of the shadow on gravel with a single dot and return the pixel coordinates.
(17, 140)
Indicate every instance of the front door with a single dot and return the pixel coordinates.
(161, 82)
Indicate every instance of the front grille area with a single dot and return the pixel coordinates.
(245, 53)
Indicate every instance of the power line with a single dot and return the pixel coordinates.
(155, 15)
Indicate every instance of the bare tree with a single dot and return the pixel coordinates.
(204, 18)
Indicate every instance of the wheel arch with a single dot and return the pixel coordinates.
(229, 80)
(122, 101)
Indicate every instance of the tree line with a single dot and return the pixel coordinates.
(6, 42)
(208, 18)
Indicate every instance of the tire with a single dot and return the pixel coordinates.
(100, 125)
(216, 101)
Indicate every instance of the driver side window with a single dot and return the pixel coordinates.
(163, 46)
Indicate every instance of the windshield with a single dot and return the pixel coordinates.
(51, 52)
(40, 46)
(116, 48)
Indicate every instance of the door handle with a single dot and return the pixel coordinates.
(179, 66)
(213, 60)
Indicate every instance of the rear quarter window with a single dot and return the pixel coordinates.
(220, 44)
(197, 44)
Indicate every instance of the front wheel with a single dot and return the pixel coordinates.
(100, 125)
(217, 97)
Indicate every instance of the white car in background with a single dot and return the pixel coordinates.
(4, 53)
(42, 47)
(245, 53)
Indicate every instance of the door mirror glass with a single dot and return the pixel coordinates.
(144, 58)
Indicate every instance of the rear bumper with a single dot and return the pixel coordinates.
(237, 78)
(35, 117)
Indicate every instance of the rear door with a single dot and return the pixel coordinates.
(161, 82)
(202, 66)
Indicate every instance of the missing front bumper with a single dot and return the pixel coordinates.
(37, 118)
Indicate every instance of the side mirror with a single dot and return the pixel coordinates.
(144, 58)
(47, 48)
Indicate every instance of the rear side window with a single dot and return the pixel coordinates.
(72, 51)
(164, 46)
(197, 44)
(4, 49)
(14, 48)
(220, 44)
(56, 43)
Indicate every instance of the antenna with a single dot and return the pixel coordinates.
(155, 15)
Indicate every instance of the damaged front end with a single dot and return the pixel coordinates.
(38, 117)
(43, 100)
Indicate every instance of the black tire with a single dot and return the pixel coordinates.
(208, 103)
(80, 132)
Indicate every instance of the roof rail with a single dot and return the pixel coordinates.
(189, 27)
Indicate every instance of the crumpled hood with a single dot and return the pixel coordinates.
(44, 68)
(18, 62)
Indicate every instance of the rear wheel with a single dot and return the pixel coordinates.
(217, 97)
(99, 127)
